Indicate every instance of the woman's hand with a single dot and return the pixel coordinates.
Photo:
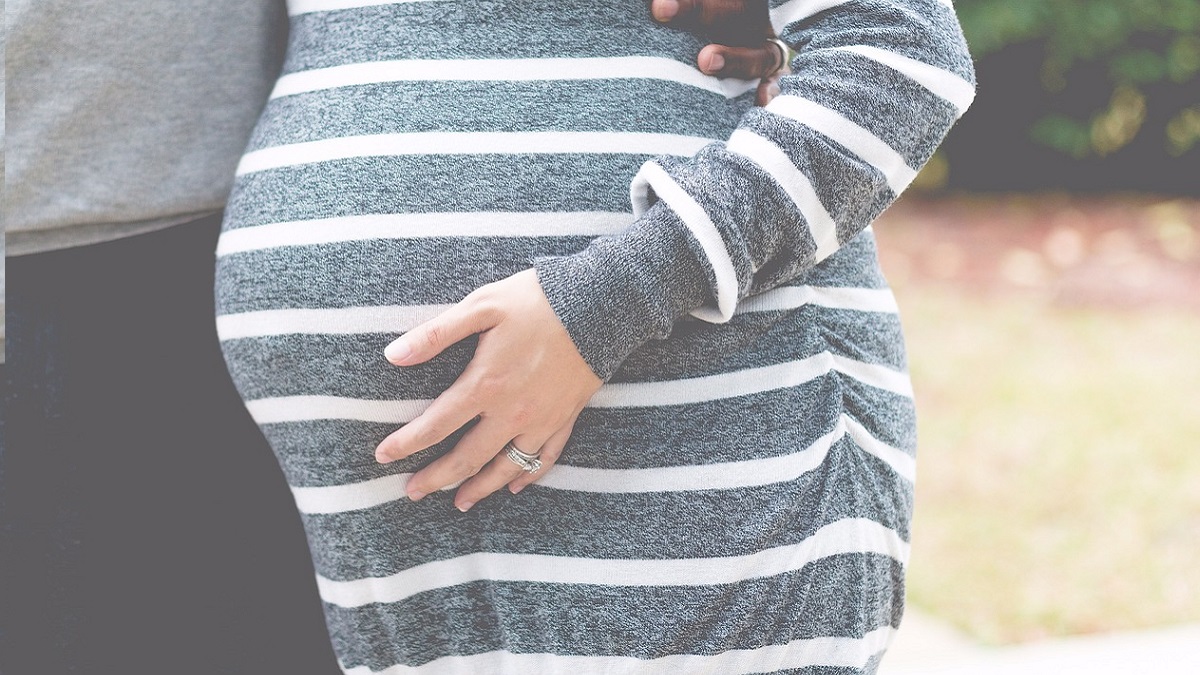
(527, 383)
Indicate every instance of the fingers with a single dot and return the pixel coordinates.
(481, 465)
(669, 10)
(501, 471)
(477, 457)
(710, 13)
(768, 89)
(729, 22)
(473, 451)
(551, 451)
(744, 63)
(448, 413)
(429, 339)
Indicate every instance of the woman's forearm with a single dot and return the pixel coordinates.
(875, 86)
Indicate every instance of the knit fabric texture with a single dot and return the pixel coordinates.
(737, 496)
(128, 116)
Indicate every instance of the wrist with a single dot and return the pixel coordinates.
(624, 290)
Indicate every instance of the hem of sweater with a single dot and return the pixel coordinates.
(29, 242)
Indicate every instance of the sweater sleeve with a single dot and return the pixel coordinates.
(875, 86)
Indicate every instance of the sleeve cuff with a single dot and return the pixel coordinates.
(624, 290)
(653, 184)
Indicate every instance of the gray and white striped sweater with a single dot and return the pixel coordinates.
(736, 498)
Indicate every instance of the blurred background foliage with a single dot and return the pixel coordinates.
(1052, 325)
(1081, 95)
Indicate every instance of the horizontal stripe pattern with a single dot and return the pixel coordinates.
(848, 536)
(747, 381)
(632, 616)
(461, 29)
(361, 272)
(331, 452)
(509, 70)
(615, 105)
(799, 10)
(285, 409)
(402, 318)
(340, 321)
(942, 83)
(450, 143)
(716, 476)
(278, 410)
(431, 184)
(413, 151)
(821, 652)
(298, 7)
(499, 106)
(857, 140)
(421, 225)
(557, 522)
(780, 168)
(794, 297)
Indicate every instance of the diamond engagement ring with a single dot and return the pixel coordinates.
(526, 461)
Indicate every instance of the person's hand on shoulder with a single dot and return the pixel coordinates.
(743, 42)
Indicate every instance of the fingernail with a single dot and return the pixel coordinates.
(397, 352)
(772, 90)
(415, 495)
(665, 10)
(516, 490)
(465, 506)
(716, 62)
(383, 458)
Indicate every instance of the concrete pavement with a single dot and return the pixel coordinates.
(925, 646)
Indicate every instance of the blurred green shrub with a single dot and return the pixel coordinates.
(1145, 49)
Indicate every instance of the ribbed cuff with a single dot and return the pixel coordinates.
(626, 289)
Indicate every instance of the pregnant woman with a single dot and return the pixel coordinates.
(711, 377)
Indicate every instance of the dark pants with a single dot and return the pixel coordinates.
(146, 525)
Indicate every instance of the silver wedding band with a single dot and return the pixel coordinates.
(782, 48)
(527, 462)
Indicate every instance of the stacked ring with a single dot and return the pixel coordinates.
(782, 50)
(526, 461)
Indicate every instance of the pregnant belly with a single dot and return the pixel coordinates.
(378, 189)
(321, 264)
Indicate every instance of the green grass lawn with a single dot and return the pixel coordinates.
(1058, 486)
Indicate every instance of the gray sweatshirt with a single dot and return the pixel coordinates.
(126, 116)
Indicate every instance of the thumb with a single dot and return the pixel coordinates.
(744, 63)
